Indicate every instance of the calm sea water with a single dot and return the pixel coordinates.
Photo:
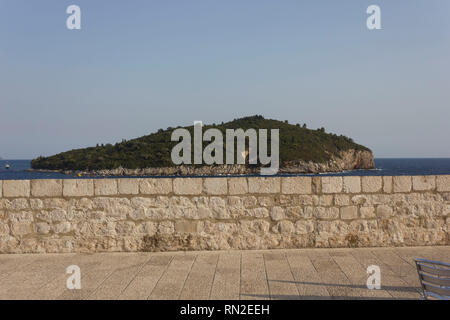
(384, 167)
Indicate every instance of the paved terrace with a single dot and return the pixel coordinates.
(268, 274)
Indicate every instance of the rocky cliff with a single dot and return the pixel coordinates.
(346, 160)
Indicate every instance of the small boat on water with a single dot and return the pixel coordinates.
(7, 166)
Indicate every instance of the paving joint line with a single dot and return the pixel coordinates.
(292, 274)
(267, 277)
(187, 276)
(214, 277)
(162, 274)
(135, 276)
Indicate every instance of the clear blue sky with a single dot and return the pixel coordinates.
(137, 66)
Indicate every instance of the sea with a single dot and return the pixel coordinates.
(384, 167)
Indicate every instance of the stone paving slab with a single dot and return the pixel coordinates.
(259, 274)
(254, 277)
(227, 279)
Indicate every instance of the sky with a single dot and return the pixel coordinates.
(137, 66)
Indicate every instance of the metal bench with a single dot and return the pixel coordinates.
(434, 278)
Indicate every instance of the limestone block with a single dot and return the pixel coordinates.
(36, 204)
(424, 183)
(166, 227)
(78, 187)
(161, 214)
(359, 226)
(159, 201)
(186, 202)
(250, 201)
(326, 200)
(147, 228)
(283, 199)
(42, 228)
(235, 202)
(384, 211)
(55, 203)
(266, 201)
(128, 186)
(349, 212)
(216, 213)
(326, 213)
(296, 185)
(341, 200)
(125, 228)
(332, 227)
(22, 216)
(186, 186)
(237, 186)
(257, 213)
(352, 184)
(304, 227)
(277, 213)
(20, 228)
(105, 187)
(367, 212)
(442, 182)
(402, 184)
(62, 227)
(284, 227)
(138, 214)
(316, 185)
(332, 184)
(380, 198)
(360, 199)
(446, 196)
(387, 184)
(371, 184)
(308, 212)
(214, 202)
(186, 226)
(446, 210)
(59, 215)
(46, 188)
(114, 207)
(264, 185)
(161, 185)
(294, 212)
(17, 204)
(215, 186)
(16, 188)
(259, 227)
(4, 229)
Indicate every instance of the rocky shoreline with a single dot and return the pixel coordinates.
(347, 160)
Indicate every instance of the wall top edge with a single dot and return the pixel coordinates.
(228, 177)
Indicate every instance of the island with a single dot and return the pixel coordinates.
(301, 150)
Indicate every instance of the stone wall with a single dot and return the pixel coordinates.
(155, 214)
